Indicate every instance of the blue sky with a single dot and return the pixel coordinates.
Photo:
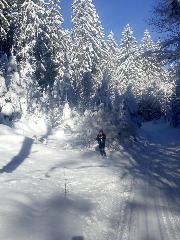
(115, 14)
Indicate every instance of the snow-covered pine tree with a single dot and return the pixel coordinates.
(29, 24)
(148, 59)
(103, 95)
(50, 47)
(128, 71)
(129, 120)
(87, 34)
(51, 61)
(146, 42)
(111, 42)
(155, 84)
(6, 19)
(28, 19)
(112, 62)
(112, 49)
(54, 21)
(31, 92)
(14, 88)
(23, 91)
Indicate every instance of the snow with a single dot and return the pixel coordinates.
(7, 109)
(51, 193)
(162, 133)
(5, 130)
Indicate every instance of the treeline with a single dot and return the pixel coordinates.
(43, 66)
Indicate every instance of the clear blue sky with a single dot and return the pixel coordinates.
(115, 14)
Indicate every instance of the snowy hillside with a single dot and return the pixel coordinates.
(49, 193)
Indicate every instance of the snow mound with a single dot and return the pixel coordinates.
(5, 130)
(59, 134)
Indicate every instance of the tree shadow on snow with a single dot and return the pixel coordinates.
(155, 169)
(53, 219)
(22, 155)
(77, 238)
(159, 164)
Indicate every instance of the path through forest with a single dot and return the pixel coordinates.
(49, 193)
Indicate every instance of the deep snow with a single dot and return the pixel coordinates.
(50, 192)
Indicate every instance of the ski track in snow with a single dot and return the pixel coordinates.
(58, 194)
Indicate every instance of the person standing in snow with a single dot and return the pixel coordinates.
(101, 138)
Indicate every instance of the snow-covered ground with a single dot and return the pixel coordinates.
(48, 192)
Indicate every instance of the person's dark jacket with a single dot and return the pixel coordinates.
(101, 138)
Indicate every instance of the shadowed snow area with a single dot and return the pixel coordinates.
(50, 192)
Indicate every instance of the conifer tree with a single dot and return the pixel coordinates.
(53, 47)
(6, 25)
(87, 34)
(112, 49)
(128, 71)
(29, 24)
(14, 88)
(155, 80)
(4, 21)
(149, 62)
(111, 63)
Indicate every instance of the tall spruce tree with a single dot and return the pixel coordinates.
(6, 25)
(50, 47)
(87, 34)
(4, 18)
(111, 63)
(29, 18)
(128, 71)
(29, 24)
(112, 48)
(149, 63)
(155, 81)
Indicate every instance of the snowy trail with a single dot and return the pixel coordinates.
(131, 195)
(154, 209)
